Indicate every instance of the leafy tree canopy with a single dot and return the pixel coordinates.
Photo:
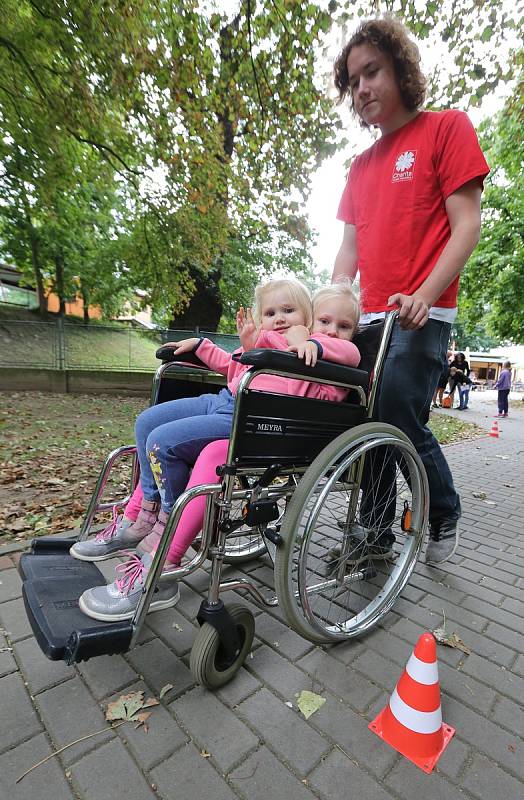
(205, 125)
(492, 289)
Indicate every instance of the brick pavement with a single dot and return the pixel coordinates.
(258, 746)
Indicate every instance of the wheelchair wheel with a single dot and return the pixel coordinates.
(207, 661)
(352, 533)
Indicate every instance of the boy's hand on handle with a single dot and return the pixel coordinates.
(413, 311)
(185, 346)
(246, 328)
(296, 335)
(306, 350)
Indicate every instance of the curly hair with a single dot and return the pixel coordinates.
(391, 37)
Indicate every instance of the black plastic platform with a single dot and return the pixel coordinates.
(53, 583)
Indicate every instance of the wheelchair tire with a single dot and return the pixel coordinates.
(327, 597)
(205, 659)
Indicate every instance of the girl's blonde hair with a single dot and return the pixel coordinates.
(298, 294)
(342, 289)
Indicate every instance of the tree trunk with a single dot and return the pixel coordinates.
(85, 299)
(205, 307)
(35, 259)
(59, 264)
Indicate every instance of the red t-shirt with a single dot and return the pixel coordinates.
(395, 195)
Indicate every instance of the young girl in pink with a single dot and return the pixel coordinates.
(335, 312)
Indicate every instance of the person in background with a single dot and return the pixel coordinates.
(442, 383)
(503, 385)
(411, 213)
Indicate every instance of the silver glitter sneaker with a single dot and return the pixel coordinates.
(119, 536)
(118, 600)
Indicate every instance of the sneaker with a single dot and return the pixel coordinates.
(360, 550)
(114, 539)
(118, 600)
(443, 541)
(150, 542)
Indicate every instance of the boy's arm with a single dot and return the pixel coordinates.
(347, 257)
(463, 210)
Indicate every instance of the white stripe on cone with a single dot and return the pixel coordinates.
(418, 721)
(422, 671)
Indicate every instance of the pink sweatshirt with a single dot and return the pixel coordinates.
(338, 350)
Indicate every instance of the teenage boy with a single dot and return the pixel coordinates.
(411, 208)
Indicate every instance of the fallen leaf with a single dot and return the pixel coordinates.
(205, 754)
(165, 689)
(479, 495)
(450, 640)
(127, 706)
(309, 702)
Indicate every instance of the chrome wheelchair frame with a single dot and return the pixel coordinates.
(316, 500)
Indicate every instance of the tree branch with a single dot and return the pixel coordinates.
(250, 39)
(20, 57)
(104, 149)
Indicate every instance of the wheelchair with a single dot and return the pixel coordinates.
(314, 486)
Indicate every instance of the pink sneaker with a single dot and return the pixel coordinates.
(150, 542)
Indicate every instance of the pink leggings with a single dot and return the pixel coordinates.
(192, 517)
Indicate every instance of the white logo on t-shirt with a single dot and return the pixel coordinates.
(404, 166)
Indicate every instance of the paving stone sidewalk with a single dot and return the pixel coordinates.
(245, 741)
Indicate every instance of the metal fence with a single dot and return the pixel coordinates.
(63, 345)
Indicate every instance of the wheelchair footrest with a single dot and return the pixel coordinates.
(53, 583)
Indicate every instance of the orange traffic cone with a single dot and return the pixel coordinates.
(412, 721)
(494, 429)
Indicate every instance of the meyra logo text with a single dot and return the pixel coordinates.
(269, 427)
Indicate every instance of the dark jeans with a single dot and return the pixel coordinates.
(502, 400)
(413, 365)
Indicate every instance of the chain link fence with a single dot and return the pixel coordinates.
(67, 346)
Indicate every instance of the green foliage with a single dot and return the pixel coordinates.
(492, 290)
(141, 142)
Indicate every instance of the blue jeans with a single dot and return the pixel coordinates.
(170, 437)
(414, 363)
(464, 396)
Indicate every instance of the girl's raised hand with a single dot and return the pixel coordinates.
(185, 346)
(246, 328)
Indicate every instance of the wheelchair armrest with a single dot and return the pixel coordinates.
(167, 356)
(288, 362)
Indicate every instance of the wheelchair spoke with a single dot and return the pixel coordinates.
(348, 552)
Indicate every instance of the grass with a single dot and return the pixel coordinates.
(29, 339)
(447, 429)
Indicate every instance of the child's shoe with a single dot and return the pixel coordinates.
(118, 601)
(119, 536)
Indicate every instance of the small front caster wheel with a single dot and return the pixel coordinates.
(208, 661)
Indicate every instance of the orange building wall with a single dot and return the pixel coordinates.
(75, 308)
